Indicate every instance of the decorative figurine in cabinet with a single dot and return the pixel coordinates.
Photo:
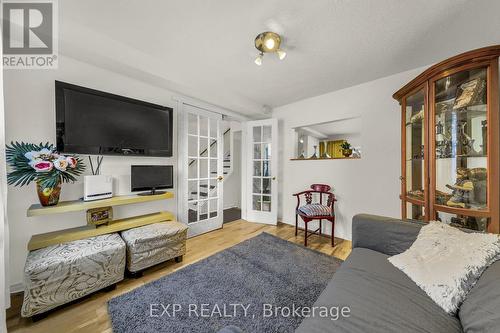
(450, 142)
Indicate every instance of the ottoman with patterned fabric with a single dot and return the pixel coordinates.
(155, 243)
(59, 274)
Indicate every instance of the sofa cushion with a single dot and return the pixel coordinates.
(446, 262)
(381, 299)
(315, 210)
(384, 234)
(480, 310)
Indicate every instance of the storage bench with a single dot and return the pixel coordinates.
(155, 243)
(59, 274)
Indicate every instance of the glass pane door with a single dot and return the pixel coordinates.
(204, 170)
(262, 204)
(461, 151)
(415, 137)
(261, 189)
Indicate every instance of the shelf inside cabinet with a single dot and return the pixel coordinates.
(413, 200)
(415, 124)
(325, 158)
(446, 107)
(463, 211)
(461, 156)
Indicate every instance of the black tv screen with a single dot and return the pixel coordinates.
(94, 122)
(149, 177)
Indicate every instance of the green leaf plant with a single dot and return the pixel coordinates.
(41, 163)
(345, 145)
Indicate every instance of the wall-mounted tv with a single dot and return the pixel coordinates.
(94, 122)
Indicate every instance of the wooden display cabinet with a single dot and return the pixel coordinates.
(450, 142)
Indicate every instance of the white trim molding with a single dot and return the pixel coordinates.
(210, 107)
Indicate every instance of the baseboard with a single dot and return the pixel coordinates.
(16, 288)
(229, 207)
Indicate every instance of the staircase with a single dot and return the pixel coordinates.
(226, 163)
(207, 190)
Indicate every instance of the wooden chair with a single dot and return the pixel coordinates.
(315, 211)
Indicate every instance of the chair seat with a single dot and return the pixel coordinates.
(315, 210)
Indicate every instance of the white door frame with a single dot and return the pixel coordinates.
(251, 214)
(210, 223)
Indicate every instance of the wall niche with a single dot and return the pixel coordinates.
(337, 139)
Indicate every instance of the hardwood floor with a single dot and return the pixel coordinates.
(90, 314)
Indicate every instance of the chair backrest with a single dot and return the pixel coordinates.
(321, 187)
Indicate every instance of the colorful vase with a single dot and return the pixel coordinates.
(48, 196)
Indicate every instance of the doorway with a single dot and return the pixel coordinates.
(201, 170)
(232, 165)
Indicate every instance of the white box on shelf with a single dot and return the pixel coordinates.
(97, 187)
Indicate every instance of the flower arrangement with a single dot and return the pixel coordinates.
(41, 163)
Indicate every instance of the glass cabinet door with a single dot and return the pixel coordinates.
(460, 141)
(463, 221)
(415, 134)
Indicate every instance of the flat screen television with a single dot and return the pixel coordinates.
(98, 123)
(151, 178)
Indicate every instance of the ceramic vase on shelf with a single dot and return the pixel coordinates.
(347, 152)
(48, 196)
(315, 155)
(323, 149)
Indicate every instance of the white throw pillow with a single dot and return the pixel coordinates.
(446, 262)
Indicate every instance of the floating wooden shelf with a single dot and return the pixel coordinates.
(79, 205)
(325, 158)
(72, 234)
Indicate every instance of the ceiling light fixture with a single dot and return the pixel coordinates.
(258, 60)
(268, 42)
(281, 54)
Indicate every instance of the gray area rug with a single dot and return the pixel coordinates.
(239, 286)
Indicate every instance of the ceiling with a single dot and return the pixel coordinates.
(333, 129)
(340, 127)
(204, 49)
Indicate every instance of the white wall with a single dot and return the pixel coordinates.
(368, 185)
(30, 116)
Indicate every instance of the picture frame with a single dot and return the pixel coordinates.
(99, 216)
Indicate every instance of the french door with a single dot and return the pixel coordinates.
(262, 169)
(202, 170)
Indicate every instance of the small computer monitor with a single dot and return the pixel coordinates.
(151, 178)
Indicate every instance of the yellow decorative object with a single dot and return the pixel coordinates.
(337, 148)
(333, 148)
(99, 216)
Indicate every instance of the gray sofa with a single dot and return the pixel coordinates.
(383, 299)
